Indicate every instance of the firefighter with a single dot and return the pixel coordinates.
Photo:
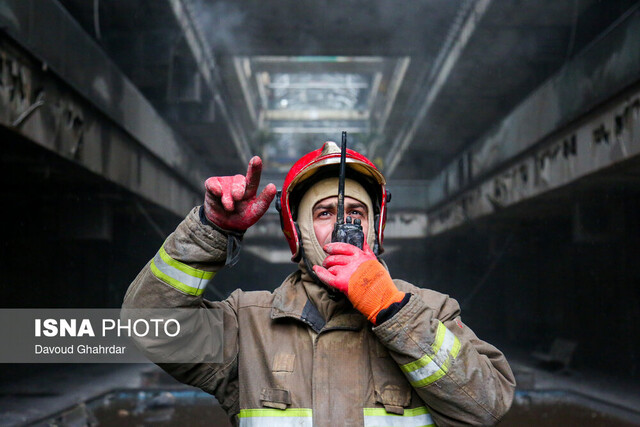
(338, 342)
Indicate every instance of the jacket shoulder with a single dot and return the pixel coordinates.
(445, 306)
(245, 299)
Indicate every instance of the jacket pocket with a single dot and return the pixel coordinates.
(283, 362)
(275, 398)
(391, 388)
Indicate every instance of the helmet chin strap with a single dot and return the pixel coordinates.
(334, 294)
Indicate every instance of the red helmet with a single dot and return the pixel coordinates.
(320, 164)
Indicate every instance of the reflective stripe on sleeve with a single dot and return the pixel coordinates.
(294, 417)
(378, 417)
(179, 275)
(429, 369)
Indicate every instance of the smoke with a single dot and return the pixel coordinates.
(320, 28)
(223, 24)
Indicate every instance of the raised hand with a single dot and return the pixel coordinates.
(230, 201)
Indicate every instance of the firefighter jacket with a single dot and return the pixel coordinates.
(285, 364)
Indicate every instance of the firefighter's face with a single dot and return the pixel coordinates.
(326, 210)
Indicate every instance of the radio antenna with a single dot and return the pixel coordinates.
(343, 167)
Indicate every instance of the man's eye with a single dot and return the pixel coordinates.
(356, 213)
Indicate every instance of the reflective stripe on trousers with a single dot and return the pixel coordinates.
(430, 368)
(298, 417)
(378, 417)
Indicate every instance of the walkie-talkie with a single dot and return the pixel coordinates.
(349, 231)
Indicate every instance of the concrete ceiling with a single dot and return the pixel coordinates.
(467, 64)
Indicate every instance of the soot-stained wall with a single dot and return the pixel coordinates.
(531, 281)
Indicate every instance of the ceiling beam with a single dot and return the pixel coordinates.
(470, 14)
(47, 36)
(604, 69)
(201, 51)
(48, 112)
(606, 141)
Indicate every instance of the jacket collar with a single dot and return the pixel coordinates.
(290, 300)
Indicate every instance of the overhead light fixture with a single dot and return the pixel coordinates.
(294, 101)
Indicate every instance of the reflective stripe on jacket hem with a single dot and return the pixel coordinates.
(298, 417)
(378, 417)
(430, 368)
(179, 275)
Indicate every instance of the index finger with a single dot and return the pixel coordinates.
(253, 177)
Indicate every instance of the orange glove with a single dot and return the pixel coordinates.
(360, 276)
(230, 201)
